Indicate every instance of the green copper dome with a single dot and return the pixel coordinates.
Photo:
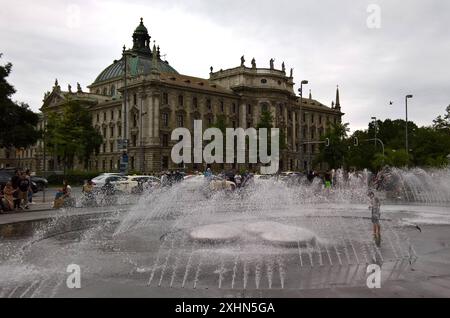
(141, 28)
(139, 59)
(138, 65)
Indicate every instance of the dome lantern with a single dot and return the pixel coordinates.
(141, 39)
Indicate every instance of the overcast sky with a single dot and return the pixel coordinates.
(328, 42)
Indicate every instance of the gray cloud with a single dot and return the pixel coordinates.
(326, 42)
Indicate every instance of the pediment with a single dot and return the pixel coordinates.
(54, 99)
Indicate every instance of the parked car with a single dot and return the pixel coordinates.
(101, 179)
(4, 178)
(133, 184)
(41, 183)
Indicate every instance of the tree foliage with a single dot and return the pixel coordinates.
(335, 154)
(429, 146)
(70, 134)
(17, 121)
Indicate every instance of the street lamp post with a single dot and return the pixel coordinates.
(375, 128)
(303, 82)
(125, 110)
(406, 126)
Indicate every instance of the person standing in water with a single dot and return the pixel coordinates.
(375, 208)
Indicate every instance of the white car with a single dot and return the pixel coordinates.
(101, 180)
(134, 184)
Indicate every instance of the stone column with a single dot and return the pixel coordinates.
(294, 127)
(155, 103)
(285, 115)
(242, 116)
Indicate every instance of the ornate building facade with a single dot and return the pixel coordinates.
(142, 98)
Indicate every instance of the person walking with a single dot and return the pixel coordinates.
(30, 192)
(328, 180)
(376, 215)
(24, 188)
(15, 185)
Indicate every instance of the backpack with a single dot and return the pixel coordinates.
(24, 184)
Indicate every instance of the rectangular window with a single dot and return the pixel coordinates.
(111, 146)
(165, 140)
(222, 106)
(249, 109)
(165, 119)
(111, 133)
(181, 101)
(180, 120)
(165, 98)
(208, 104)
(119, 131)
(195, 102)
(135, 99)
(120, 113)
(104, 116)
(234, 108)
(165, 162)
(112, 115)
(134, 139)
(98, 117)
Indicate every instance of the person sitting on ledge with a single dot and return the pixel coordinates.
(7, 197)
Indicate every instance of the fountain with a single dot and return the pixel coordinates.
(271, 236)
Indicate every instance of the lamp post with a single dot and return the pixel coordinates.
(125, 109)
(375, 128)
(300, 90)
(406, 126)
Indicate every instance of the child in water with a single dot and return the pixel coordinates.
(375, 208)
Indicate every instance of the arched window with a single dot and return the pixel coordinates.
(113, 90)
(264, 107)
(105, 91)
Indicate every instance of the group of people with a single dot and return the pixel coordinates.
(17, 194)
(228, 180)
(170, 178)
(63, 196)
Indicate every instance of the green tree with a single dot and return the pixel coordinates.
(336, 154)
(265, 121)
(70, 134)
(443, 122)
(18, 124)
